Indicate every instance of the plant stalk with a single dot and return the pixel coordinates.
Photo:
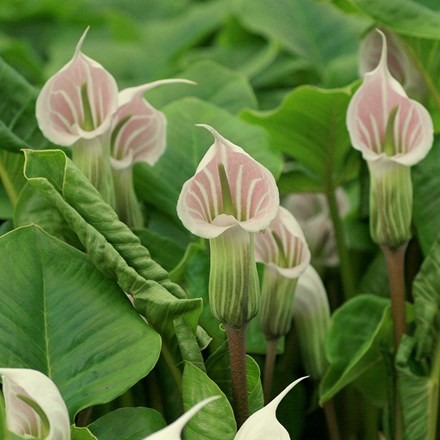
(341, 244)
(395, 259)
(237, 355)
(269, 367)
(330, 418)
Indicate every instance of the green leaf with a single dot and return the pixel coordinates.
(426, 293)
(34, 208)
(61, 316)
(113, 248)
(77, 433)
(358, 330)
(419, 393)
(219, 370)
(11, 174)
(216, 84)
(426, 204)
(404, 16)
(255, 390)
(310, 127)
(6, 210)
(188, 344)
(215, 421)
(187, 144)
(303, 27)
(166, 251)
(3, 428)
(153, 54)
(127, 424)
(18, 127)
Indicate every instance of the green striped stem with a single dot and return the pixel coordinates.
(233, 280)
(391, 198)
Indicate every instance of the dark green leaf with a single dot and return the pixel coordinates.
(404, 16)
(18, 127)
(216, 420)
(358, 330)
(426, 292)
(426, 210)
(127, 424)
(310, 127)
(166, 251)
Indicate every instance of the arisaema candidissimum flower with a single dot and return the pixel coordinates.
(393, 132)
(230, 198)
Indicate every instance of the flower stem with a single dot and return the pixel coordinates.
(271, 355)
(341, 244)
(237, 355)
(330, 418)
(395, 259)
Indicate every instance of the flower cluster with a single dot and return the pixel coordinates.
(80, 107)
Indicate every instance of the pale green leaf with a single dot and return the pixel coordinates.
(303, 27)
(111, 245)
(214, 83)
(77, 433)
(61, 316)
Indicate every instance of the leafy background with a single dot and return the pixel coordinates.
(273, 77)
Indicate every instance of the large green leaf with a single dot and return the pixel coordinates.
(408, 17)
(113, 248)
(153, 50)
(310, 127)
(419, 393)
(127, 424)
(216, 84)
(316, 31)
(187, 144)
(426, 293)
(18, 127)
(216, 420)
(61, 316)
(358, 330)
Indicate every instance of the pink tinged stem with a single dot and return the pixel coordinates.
(237, 355)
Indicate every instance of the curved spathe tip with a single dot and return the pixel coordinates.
(173, 431)
(81, 41)
(263, 424)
